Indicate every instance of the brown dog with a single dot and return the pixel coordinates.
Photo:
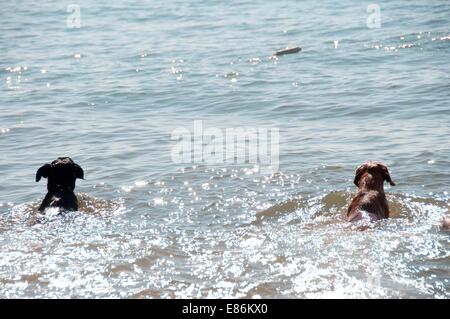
(61, 175)
(370, 202)
(446, 222)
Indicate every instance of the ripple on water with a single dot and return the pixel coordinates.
(226, 231)
(241, 245)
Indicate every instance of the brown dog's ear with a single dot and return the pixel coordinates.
(386, 175)
(78, 171)
(44, 171)
(359, 171)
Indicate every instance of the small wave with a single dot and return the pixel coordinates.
(28, 213)
(332, 207)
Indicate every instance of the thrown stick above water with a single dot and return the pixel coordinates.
(288, 51)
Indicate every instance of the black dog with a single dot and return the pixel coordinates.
(61, 175)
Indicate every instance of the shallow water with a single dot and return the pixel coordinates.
(110, 93)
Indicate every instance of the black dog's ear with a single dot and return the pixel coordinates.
(359, 171)
(78, 171)
(44, 171)
(386, 175)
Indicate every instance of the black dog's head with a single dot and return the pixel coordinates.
(61, 175)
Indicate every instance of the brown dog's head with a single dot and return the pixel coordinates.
(61, 174)
(373, 168)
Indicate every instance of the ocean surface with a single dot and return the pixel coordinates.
(110, 94)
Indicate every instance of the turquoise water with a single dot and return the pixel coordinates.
(110, 93)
